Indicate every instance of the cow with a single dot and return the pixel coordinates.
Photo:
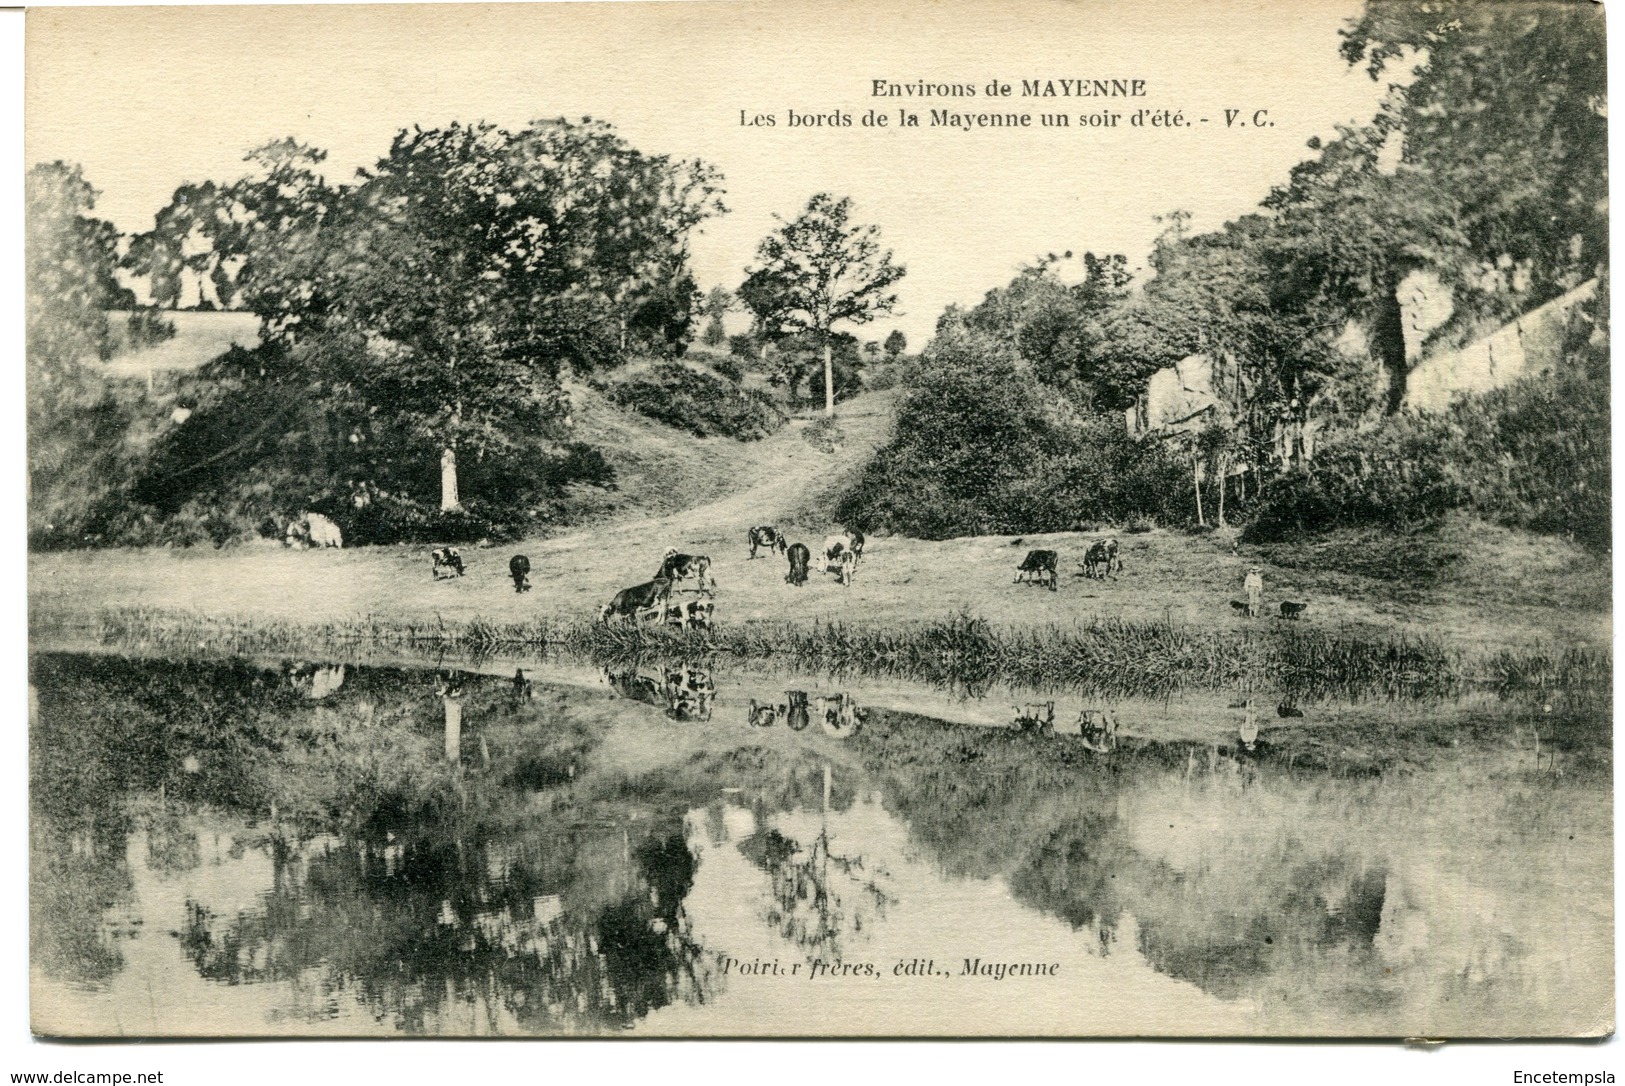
(523, 688)
(519, 570)
(1292, 611)
(695, 613)
(1098, 727)
(1035, 717)
(839, 558)
(313, 530)
(1038, 568)
(447, 563)
(855, 543)
(323, 532)
(800, 559)
(676, 567)
(766, 536)
(632, 602)
(1101, 560)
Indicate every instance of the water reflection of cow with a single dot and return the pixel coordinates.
(316, 680)
(683, 693)
(1037, 717)
(839, 714)
(1098, 729)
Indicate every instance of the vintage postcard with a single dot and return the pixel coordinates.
(711, 519)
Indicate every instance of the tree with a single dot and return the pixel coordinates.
(817, 271)
(896, 344)
(442, 295)
(717, 304)
(72, 258)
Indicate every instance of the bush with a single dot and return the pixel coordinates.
(700, 403)
(1533, 455)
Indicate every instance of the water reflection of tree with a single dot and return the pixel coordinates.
(442, 891)
(818, 895)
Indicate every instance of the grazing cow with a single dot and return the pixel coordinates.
(1102, 561)
(447, 563)
(323, 532)
(798, 717)
(1288, 708)
(632, 602)
(1035, 717)
(766, 536)
(676, 567)
(764, 715)
(1038, 568)
(855, 543)
(839, 559)
(1239, 605)
(800, 559)
(519, 570)
(1098, 727)
(1291, 611)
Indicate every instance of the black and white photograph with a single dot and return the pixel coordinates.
(786, 520)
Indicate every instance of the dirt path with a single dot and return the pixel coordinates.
(1507, 589)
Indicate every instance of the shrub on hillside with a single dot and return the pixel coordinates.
(1532, 455)
(702, 404)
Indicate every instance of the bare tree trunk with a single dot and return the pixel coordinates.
(448, 480)
(829, 380)
(1224, 475)
(1196, 477)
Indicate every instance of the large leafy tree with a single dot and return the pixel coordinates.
(817, 271)
(443, 293)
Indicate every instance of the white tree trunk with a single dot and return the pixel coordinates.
(448, 481)
(829, 381)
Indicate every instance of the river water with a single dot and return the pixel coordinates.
(228, 847)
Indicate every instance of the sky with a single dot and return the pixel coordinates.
(147, 98)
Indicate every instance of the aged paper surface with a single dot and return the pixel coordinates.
(454, 613)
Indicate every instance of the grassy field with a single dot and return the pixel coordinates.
(1468, 586)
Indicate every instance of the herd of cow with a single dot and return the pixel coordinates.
(1100, 561)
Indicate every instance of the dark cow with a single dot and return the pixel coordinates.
(766, 536)
(676, 567)
(1038, 568)
(519, 570)
(800, 559)
(1101, 560)
(631, 602)
(1292, 611)
(446, 562)
(1239, 605)
(855, 543)
(839, 558)
(523, 688)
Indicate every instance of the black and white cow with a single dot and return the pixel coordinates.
(839, 558)
(676, 568)
(1038, 568)
(519, 570)
(1101, 560)
(768, 537)
(632, 602)
(446, 563)
(800, 559)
